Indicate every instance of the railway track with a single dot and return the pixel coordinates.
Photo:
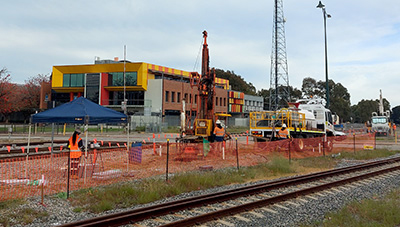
(216, 206)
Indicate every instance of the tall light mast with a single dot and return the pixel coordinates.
(279, 94)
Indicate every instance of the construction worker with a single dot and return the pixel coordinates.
(283, 133)
(74, 144)
(219, 131)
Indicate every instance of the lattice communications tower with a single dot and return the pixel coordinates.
(279, 85)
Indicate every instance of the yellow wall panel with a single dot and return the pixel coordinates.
(57, 78)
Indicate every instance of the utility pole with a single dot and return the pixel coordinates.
(325, 15)
(279, 78)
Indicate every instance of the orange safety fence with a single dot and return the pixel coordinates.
(23, 177)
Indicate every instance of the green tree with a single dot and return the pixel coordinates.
(339, 97)
(362, 112)
(295, 94)
(265, 94)
(396, 115)
(309, 87)
(236, 81)
(340, 101)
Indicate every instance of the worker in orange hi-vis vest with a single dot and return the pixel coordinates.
(219, 131)
(283, 133)
(74, 144)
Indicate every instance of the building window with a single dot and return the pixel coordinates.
(224, 101)
(195, 98)
(178, 98)
(93, 87)
(191, 98)
(220, 101)
(133, 97)
(166, 96)
(186, 97)
(173, 96)
(117, 78)
(66, 80)
(74, 80)
(216, 101)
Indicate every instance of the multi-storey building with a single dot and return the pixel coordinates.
(149, 89)
(253, 103)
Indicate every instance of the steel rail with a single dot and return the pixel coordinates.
(276, 199)
(140, 214)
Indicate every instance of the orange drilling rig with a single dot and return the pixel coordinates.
(204, 122)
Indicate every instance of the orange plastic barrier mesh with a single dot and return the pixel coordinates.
(23, 177)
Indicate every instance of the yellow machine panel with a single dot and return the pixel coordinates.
(203, 127)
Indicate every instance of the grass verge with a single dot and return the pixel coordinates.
(148, 190)
(369, 212)
(368, 154)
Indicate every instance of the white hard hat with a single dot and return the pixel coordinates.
(284, 126)
(218, 122)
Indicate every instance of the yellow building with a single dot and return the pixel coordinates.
(148, 87)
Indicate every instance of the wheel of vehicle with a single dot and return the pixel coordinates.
(299, 144)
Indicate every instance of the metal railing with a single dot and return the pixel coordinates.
(130, 103)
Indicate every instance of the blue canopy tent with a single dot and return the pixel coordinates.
(78, 111)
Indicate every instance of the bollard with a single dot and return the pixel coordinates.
(166, 170)
(290, 158)
(42, 193)
(247, 137)
(223, 150)
(237, 154)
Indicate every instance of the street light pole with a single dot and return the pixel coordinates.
(325, 15)
(125, 101)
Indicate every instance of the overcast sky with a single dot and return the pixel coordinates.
(363, 38)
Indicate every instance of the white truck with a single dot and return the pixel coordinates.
(306, 118)
(380, 122)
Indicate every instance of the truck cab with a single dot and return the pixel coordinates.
(323, 116)
(380, 125)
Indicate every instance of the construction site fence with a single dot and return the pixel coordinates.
(58, 128)
(48, 174)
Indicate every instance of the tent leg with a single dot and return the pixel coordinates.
(52, 139)
(86, 146)
(27, 152)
